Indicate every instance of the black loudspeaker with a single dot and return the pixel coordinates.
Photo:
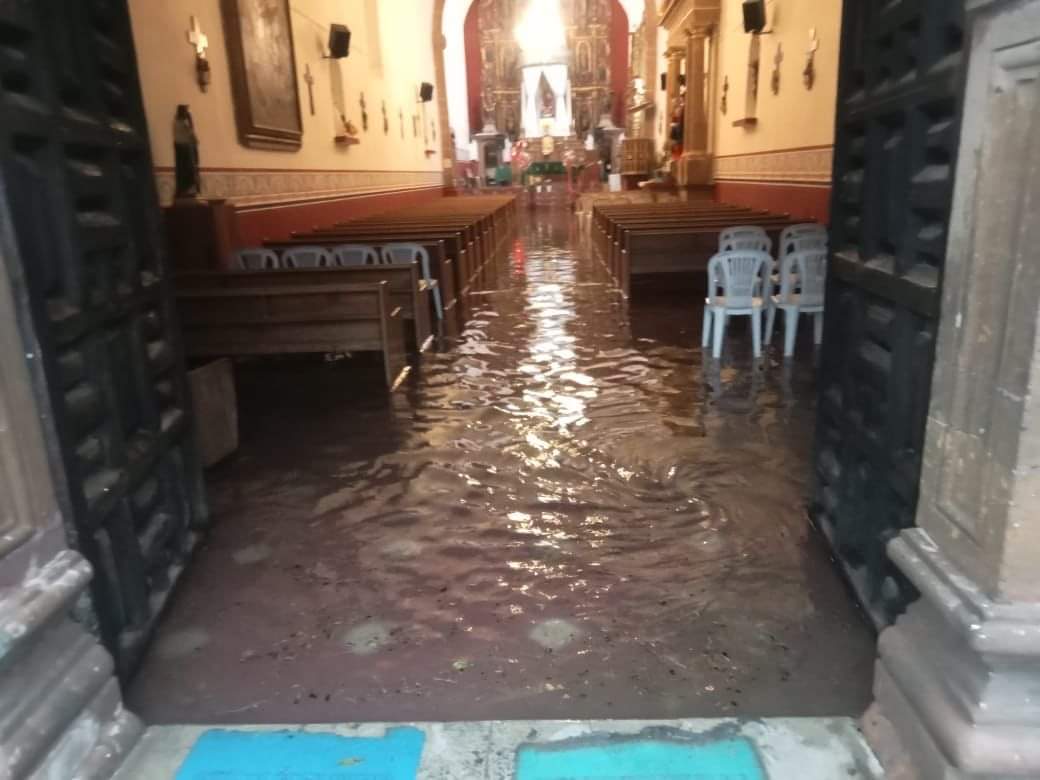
(339, 41)
(426, 92)
(754, 15)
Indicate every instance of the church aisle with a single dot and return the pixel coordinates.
(565, 516)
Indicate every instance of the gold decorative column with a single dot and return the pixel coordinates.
(695, 170)
(675, 57)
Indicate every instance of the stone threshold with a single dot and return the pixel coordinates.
(694, 749)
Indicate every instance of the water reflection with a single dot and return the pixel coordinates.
(568, 498)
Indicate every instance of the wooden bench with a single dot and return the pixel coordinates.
(634, 240)
(407, 289)
(462, 235)
(275, 320)
(446, 260)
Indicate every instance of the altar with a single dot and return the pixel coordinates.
(545, 116)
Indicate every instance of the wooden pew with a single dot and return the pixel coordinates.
(610, 239)
(447, 262)
(638, 239)
(282, 319)
(608, 221)
(614, 234)
(471, 231)
(405, 285)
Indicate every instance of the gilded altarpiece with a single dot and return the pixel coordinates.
(588, 24)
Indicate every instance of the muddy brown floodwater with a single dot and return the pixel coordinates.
(565, 516)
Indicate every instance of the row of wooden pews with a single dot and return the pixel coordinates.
(660, 238)
(461, 235)
(380, 308)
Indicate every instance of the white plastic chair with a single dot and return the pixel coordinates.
(747, 238)
(256, 259)
(307, 257)
(355, 254)
(807, 243)
(805, 230)
(728, 236)
(739, 275)
(748, 243)
(410, 253)
(803, 283)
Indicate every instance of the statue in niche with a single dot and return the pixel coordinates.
(511, 69)
(584, 59)
(186, 155)
(546, 99)
(602, 74)
(488, 67)
(510, 124)
(677, 129)
(488, 110)
(584, 122)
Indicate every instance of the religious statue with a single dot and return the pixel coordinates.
(677, 130)
(487, 105)
(584, 122)
(584, 59)
(547, 100)
(186, 155)
(511, 126)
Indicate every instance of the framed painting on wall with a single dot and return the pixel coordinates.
(263, 73)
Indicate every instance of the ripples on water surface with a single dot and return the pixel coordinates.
(564, 516)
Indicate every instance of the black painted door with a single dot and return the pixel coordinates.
(899, 102)
(75, 164)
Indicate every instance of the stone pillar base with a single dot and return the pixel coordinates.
(957, 686)
(695, 170)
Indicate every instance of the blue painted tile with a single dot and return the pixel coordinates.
(652, 759)
(226, 754)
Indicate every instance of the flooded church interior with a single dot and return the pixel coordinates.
(519, 389)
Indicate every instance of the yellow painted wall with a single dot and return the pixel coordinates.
(391, 52)
(796, 117)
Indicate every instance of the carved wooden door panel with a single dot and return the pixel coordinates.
(88, 258)
(899, 101)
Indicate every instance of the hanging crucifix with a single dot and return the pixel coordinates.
(364, 113)
(200, 43)
(777, 59)
(309, 78)
(386, 121)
